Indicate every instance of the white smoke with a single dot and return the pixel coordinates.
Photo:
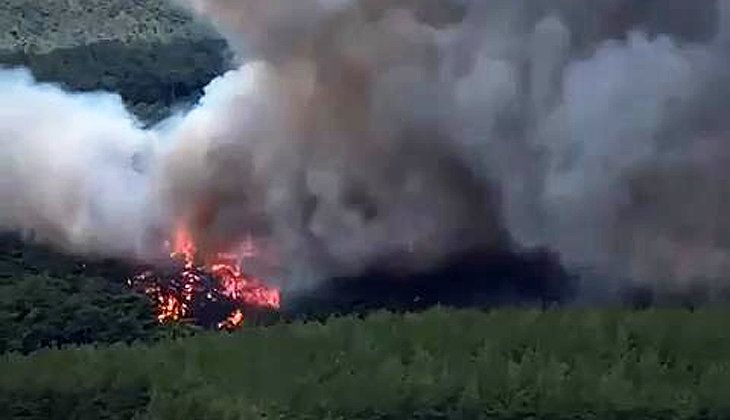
(65, 168)
(357, 131)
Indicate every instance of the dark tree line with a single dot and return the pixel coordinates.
(49, 299)
(149, 77)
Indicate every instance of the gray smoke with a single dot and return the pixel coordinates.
(357, 131)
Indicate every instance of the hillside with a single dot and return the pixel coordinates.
(42, 26)
(152, 54)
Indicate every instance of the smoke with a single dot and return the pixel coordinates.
(66, 169)
(403, 132)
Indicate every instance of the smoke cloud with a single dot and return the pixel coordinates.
(402, 132)
(66, 168)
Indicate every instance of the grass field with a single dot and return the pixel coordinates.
(441, 364)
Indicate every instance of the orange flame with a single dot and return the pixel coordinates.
(237, 286)
(169, 309)
(234, 321)
(184, 246)
(233, 283)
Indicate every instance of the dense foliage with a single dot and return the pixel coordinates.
(49, 299)
(38, 311)
(41, 26)
(437, 365)
(150, 77)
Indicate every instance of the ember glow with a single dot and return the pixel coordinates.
(234, 321)
(196, 285)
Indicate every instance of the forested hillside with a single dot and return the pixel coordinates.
(152, 54)
(150, 76)
(155, 57)
(50, 299)
(42, 26)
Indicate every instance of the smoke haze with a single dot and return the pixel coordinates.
(363, 131)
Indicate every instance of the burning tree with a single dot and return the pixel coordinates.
(210, 293)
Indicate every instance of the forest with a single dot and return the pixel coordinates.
(441, 364)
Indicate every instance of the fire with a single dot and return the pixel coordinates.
(184, 246)
(235, 320)
(170, 309)
(220, 280)
(236, 285)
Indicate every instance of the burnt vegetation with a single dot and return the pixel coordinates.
(474, 279)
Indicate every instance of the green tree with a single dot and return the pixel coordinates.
(40, 311)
